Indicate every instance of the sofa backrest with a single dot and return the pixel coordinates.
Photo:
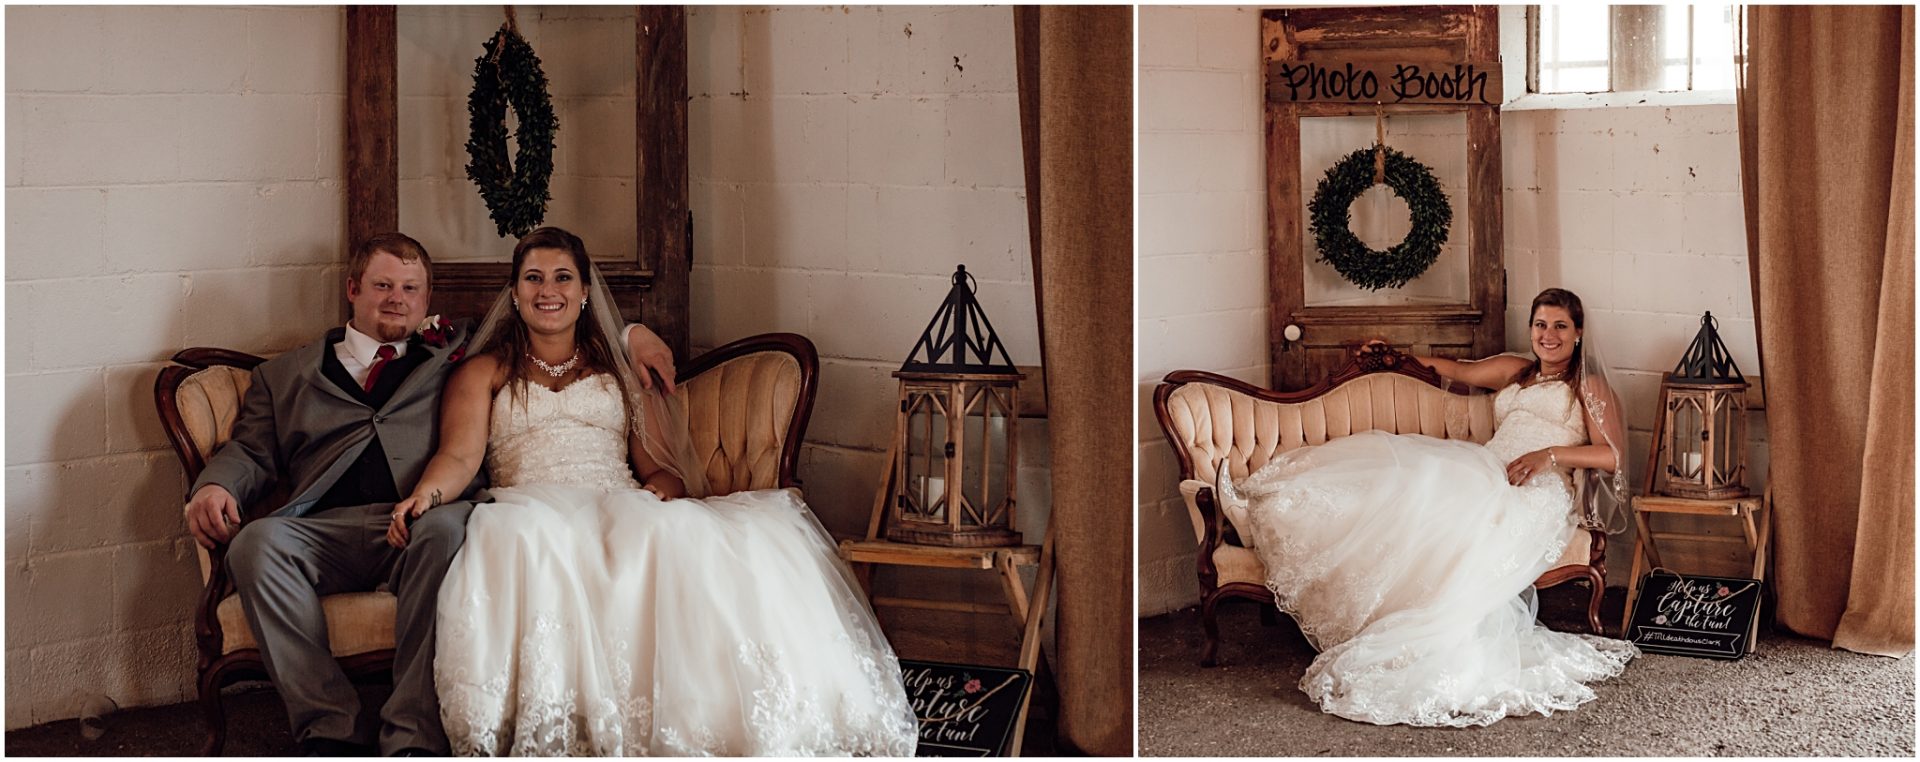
(746, 414)
(747, 407)
(1212, 418)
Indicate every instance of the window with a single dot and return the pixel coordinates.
(1625, 48)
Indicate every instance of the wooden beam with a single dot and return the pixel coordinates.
(1367, 110)
(933, 605)
(1486, 259)
(1382, 26)
(373, 122)
(660, 127)
(1286, 282)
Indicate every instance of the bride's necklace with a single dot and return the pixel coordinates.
(556, 371)
(1541, 378)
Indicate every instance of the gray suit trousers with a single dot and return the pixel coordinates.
(282, 567)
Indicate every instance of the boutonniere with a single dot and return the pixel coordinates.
(437, 332)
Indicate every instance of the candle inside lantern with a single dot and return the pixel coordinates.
(1692, 462)
(931, 489)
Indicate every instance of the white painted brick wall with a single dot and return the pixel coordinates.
(1639, 212)
(1202, 274)
(843, 161)
(173, 179)
(1636, 209)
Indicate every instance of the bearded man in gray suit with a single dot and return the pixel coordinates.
(350, 422)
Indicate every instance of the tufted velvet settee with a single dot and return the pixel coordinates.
(747, 404)
(1209, 418)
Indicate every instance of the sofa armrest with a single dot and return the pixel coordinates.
(1207, 530)
(1190, 490)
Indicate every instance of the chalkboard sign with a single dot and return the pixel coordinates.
(965, 710)
(1690, 615)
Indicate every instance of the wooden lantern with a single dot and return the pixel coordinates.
(955, 467)
(1703, 440)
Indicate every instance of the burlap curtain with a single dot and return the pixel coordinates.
(1076, 102)
(1826, 145)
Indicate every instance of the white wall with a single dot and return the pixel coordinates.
(1635, 209)
(173, 179)
(1203, 258)
(843, 161)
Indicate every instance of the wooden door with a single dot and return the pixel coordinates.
(1449, 35)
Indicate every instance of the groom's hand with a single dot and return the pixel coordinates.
(647, 350)
(212, 515)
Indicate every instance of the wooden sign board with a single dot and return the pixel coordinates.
(1713, 617)
(965, 710)
(1384, 82)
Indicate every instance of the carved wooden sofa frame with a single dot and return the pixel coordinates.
(1207, 417)
(748, 404)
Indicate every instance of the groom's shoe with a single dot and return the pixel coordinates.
(331, 747)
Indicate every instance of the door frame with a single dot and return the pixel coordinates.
(653, 288)
(1432, 33)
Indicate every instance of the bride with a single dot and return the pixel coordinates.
(1409, 561)
(590, 614)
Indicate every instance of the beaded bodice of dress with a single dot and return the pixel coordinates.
(575, 436)
(1528, 418)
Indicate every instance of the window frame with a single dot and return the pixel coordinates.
(1528, 97)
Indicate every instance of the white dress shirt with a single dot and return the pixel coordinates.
(358, 351)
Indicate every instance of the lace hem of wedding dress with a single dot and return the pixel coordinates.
(1384, 692)
(782, 721)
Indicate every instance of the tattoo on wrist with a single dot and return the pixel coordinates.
(433, 499)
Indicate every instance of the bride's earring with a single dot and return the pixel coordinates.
(516, 302)
(583, 303)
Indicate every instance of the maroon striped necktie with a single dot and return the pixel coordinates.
(384, 356)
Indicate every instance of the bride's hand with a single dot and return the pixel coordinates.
(665, 486)
(1525, 466)
(403, 512)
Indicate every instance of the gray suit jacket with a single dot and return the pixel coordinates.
(297, 425)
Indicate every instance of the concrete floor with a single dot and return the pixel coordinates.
(257, 727)
(257, 721)
(1792, 697)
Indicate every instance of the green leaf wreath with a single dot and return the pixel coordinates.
(1373, 270)
(509, 74)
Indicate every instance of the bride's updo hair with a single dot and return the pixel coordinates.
(512, 344)
(1569, 301)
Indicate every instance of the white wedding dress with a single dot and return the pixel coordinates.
(585, 616)
(1408, 561)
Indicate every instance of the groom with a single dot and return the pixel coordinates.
(349, 423)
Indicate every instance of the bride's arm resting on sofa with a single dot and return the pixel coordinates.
(1494, 372)
(647, 350)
